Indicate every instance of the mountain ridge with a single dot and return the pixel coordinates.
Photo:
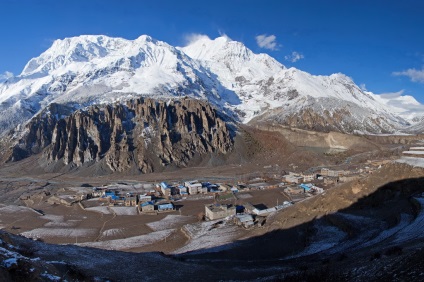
(143, 134)
(95, 69)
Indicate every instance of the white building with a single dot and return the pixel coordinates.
(293, 178)
(217, 211)
(194, 187)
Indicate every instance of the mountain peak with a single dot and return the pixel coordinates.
(82, 48)
(145, 38)
(91, 69)
(206, 49)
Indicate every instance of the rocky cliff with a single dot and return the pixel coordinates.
(142, 133)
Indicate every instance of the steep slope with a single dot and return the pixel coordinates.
(86, 70)
(144, 133)
(269, 91)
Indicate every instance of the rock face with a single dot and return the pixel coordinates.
(38, 132)
(92, 69)
(142, 133)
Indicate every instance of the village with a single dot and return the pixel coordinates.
(172, 214)
(246, 202)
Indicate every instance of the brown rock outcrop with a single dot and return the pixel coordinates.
(141, 133)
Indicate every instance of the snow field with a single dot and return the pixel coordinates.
(209, 234)
(58, 232)
(112, 232)
(13, 209)
(100, 209)
(416, 162)
(413, 152)
(86, 70)
(326, 237)
(59, 221)
(131, 242)
(169, 222)
(124, 210)
(415, 229)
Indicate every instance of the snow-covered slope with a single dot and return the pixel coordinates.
(268, 90)
(86, 70)
(94, 69)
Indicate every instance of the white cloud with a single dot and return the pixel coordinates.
(392, 95)
(404, 105)
(294, 57)
(193, 37)
(223, 34)
(267, 42)
(363, 87)
(414, 74)
(6, 75)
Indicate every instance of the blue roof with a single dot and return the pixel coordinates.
(147, 204)
(304, 186)
(166, 206)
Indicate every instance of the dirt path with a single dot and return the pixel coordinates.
(104, 225)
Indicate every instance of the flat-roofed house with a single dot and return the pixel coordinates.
(217, 211)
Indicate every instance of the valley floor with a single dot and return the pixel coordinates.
(352, 229)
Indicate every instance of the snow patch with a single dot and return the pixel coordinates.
(50, 277)
(132, 242)
(10, 262)
(124, 210)
(215, 234)
(326, 237)
(13, 209)
(169, 222)
(415, 229)
(58, 232)
(415, 162)
(405, 220)
(58, 221)
(112, 232)
(100, 209)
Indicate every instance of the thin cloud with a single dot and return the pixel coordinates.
(5, 76)
(392, 95)
(405, 104)
(267, 42)
(413, 74)
(294, 57)
(223, 34)
(193, 37)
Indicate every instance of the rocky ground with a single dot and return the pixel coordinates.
(369, 229)
(366, 230)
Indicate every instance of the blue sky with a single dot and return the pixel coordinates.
(380, 44)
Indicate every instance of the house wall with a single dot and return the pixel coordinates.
(147, 208)
(221, 213)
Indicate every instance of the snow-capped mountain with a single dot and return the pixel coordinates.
(268, 90)
(86, 70)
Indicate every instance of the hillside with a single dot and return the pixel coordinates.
(372, 232)
(143, 135)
